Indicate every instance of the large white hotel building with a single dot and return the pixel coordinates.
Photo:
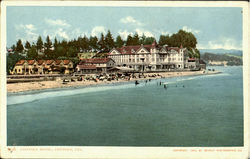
(151, 57)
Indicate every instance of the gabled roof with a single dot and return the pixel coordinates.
(192, 59)
(20, 62)
(135, 48)
(173, 48)
(66, 62)
(40, 62)
(31, 62)
(57, 62)
(49, 62)
(145, 47)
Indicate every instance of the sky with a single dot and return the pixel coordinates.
(214, 28)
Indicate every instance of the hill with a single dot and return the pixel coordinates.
(221, 51)
(221, 59)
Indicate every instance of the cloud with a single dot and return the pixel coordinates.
(29, 27)
(124, 34)
(59, 33)
(187, 29)
(78, 32)
(161, 32)
(147, 33)
(130, 20)
(165, 33)
(98, 30)
(222, 43)
(57, 22)
(26, 32)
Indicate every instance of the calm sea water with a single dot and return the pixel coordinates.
(192, 111)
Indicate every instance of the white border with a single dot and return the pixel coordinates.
(121, 152)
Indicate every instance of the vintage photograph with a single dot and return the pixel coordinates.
(124, 76)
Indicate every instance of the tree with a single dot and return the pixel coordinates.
(55, 43)
(19, 46)
(129, 40)
(85, 43)
(186, 39)
(72, 52)
(109, 41)
(142, 39)
(32, 53)
(163, 40)
(13, 47)
(48, 45)
(60, 51)
(93, 40)
(12, 60)
(101, 43)
(39, 43)
(27, 45)
(119, 42)
(149, 40)
(136, 39)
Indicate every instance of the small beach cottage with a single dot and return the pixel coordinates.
(96, 65)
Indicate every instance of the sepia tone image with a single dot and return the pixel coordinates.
(124, 76)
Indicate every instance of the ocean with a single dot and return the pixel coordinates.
(193, 111)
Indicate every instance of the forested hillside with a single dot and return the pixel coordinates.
(230, 59)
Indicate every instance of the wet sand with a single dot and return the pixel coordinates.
(29, 86)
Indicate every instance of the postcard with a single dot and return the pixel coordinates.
(124, 79)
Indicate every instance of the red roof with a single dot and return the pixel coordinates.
(134, 48)
(95, 61)
(57, 62)
(20, 62)
(40, 62)
(65, 62)
(30, 62)
(191, 59)
(49, 62)
(86, 66)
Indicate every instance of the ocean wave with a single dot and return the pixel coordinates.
(26, 98)
(187, 78)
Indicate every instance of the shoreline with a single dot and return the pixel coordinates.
(46, 85)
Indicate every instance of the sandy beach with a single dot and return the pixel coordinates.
(29, 86)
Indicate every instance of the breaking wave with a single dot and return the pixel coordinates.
(30, 97)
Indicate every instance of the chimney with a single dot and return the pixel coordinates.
(181, 47)
(154, 44)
